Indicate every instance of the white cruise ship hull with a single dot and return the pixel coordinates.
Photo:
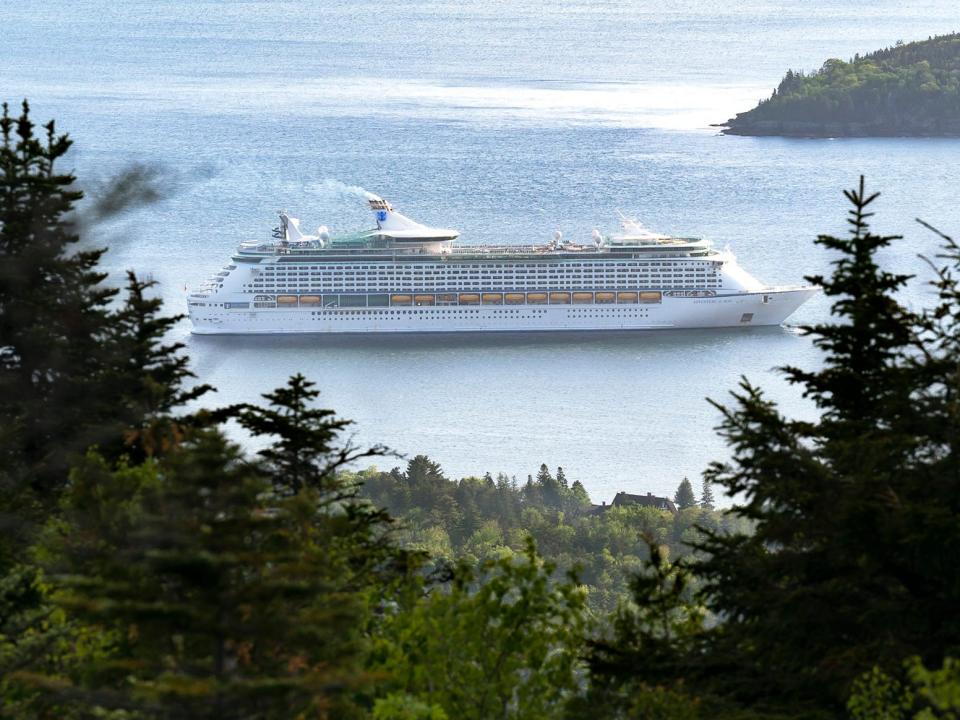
(770, 306)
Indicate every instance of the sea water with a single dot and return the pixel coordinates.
(506, 120)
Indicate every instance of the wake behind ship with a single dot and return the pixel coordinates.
(406, 277)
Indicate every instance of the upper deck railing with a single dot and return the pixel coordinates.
(672, 248)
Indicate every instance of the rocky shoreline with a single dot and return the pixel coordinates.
(919, 127)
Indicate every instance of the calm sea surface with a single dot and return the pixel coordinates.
(505, 120)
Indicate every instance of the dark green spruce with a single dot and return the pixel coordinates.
(75, 371)
(684, 497)
(855, 517)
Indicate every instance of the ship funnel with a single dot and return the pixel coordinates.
(382, 210)
(398, 226)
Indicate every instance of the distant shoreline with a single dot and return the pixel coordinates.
(908, 90)
(799, 129)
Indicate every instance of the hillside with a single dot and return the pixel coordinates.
(481, 518)
(910, 89)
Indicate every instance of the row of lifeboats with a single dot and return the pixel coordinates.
(459, 299)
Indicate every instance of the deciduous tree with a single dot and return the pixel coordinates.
(501, 642)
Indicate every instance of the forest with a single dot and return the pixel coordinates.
(479, 518)
(911, 89)
(153, 568)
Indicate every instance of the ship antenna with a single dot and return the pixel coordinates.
(280, 233)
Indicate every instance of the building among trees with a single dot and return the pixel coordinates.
(623, 499)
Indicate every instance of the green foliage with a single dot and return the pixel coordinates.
(923, 695)
(854, 518)
(648, 636)
(304, 454)
(500, 641)
(706, 496)
(856, 521)
(224, 600)
(33, 636)
(217, 591)
(147, 374)
(478, 519)
(877, 696)
(53, 319)
(684, 497)
(660, 703)
(398, 706)
(908, 89)
(937, 690)
(73, 373)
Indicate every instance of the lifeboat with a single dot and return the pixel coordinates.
(400, 299)
(650, 297)
(583, 298)
(628, 298)
(447, 298)
(286, 299)
(469, 299)
(537, 298)
(423, 299)
(604, 298)
(492, 298)
(309, 299)
(513, 298)
(559, 298)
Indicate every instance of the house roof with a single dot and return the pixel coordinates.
(648, 500)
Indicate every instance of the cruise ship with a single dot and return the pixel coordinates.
(402, 276)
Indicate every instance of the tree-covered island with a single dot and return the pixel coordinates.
(910, 89)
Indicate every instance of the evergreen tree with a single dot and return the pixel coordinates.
(855, 514)
(532, 493)
(579, 495)
(145, 381)
(544, 477)
(706, 496)
(304, 453)
(684, 497)
(426, 480)
(854, 517)
(73, 373)
(221, 600)
(53, 321)
(549, 488)
(561, 478)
